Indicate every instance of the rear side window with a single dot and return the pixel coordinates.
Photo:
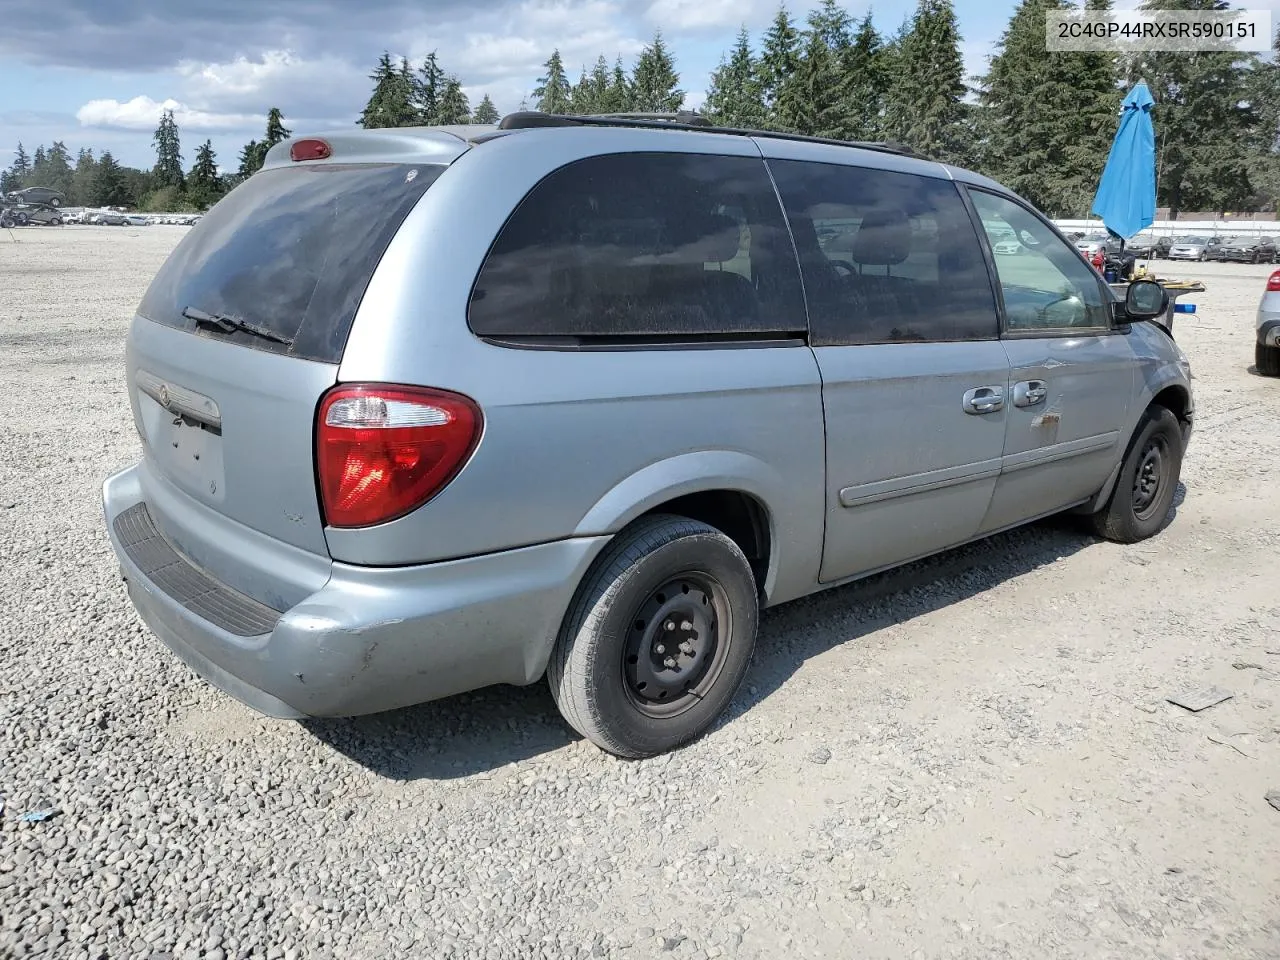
(623, 247)
(887, 257)
(290, 252)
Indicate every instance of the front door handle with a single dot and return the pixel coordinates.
(1028, 393)
(983, 400)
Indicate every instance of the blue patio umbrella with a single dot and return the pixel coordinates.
(1126, 197)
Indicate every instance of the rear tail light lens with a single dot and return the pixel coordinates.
(1273, 282)
(383, 451)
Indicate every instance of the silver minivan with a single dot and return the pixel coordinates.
(424, 410)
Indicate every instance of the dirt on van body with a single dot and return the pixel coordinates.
(972, 757)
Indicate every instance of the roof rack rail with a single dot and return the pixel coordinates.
(683, 120)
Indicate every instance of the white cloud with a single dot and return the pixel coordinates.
(697, 14)
(274, 78)
(143, 113)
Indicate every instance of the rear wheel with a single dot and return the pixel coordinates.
(1148, 480)
(658, 638)
(1268, 360)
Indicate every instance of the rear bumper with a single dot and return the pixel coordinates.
(370, 639)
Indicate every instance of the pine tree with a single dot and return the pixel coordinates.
(553, 94)
(168, 169)
(581, 96)
(734, 97)
(620, 98)
(925, 106)
(654, 81)
(865, 84)
(833, 23)
(428, 89)
(83, 179)
(454, 106)
(277, 132)
(779, 59)
(485, 112)
(109, 188)
(599, 83)
(37, 163)
(810, 99)
(204, 186)
(1203, 121)
(21, 167)
(57, 168)
(250, 159)
(1047, 117)
(1264, 163)
(392, 102)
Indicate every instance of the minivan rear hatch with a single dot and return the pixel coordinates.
(242, 331)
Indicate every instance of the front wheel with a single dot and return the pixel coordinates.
(1148, 480)
(1268, 360)
(658, 639)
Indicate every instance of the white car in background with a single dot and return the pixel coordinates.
(137, 220)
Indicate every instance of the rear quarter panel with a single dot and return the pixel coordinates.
(577, 443)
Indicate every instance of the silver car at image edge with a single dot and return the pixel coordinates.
(1267, 353)
(425, 410)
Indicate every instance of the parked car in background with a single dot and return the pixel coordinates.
(45, 216)
(1245, 250)
(1194, 247)
(47, 195)
(1093, 244)
(332, 403)
(1146, 246)
(1267, 352)
(137, 220)
(107, 218)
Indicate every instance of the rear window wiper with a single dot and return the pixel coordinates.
(232, 324)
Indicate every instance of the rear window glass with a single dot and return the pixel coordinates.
(289, 252)
(643, 245)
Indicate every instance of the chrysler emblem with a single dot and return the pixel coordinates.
(164, 395)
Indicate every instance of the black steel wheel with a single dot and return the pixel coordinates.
(1148, 480)
(658, 638)
(675, 649)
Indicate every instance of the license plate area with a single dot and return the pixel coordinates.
(187, 451)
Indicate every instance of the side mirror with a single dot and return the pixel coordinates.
(1145, 300)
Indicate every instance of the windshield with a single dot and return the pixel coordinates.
(286, 256)
(1193, 241)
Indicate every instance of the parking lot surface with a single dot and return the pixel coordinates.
(971, 757)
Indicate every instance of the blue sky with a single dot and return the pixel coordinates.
(98, 73)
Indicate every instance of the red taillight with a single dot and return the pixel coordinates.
(1273, 282)
(382, 451)
(308, 150)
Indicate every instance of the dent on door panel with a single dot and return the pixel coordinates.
(1060, 450)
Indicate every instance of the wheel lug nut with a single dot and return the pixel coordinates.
(687, 648)
(670, 663)
(686, 625)
(669, 625)
(659, 649)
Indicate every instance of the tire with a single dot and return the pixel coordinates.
(55, 202)
(1268, 360)
(608, 673)
(55, 222)
(1135, 512)
(20, 218)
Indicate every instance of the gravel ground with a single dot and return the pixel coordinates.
(968, 758)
